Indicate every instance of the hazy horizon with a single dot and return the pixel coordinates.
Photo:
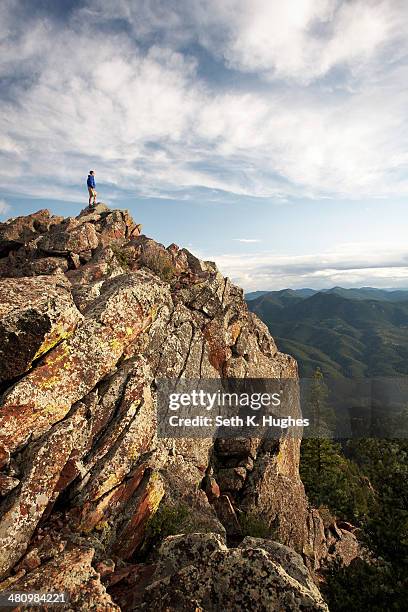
(327, 289)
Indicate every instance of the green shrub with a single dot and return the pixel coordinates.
(160, 263)
(123, 258)
(168, 520)
(254, 526)
(363, 587)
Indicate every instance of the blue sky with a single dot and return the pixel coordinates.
(268, 136)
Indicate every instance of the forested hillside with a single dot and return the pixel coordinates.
(345, 332)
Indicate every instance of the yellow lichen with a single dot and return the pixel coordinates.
(154, 312)
(156, 491)
(57, 411)
(107, 485)
(49, 382)
(58, 334)
(116, 345)
(60, 354)
(102, 526)
(134, 453)
(155, 499)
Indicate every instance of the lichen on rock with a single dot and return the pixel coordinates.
(92, 313)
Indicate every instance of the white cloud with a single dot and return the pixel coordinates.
(296, 39)
(305, 39)
(345, 265)
(83, 95)
(247, 240)
(4, 207)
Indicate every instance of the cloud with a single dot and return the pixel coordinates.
(325, 115)
(4, 207)
(346, 265)
(247, 240)
(297, 39)
(301, 40)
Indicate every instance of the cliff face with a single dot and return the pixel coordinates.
(91, 313)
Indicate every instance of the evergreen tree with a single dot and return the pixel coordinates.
(330, 479)
(385, 462)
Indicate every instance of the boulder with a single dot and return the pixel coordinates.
(197, 571)
(343, 546)
(35, 315)
(181, 550)
(94, 213)
(153, 256)
(46, 265)
(63, 240)
(116, 228)
(70, 573)
(20, 230)
(291, 561)
(24, 262)
(275, 494)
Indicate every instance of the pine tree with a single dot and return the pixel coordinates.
(385, 462)
(329, 478)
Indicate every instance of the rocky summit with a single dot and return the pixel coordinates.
(92, 313)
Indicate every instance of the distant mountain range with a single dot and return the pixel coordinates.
(363, 293)
(346, 332)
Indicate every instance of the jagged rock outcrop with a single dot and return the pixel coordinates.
(91, 314)
(21, 231)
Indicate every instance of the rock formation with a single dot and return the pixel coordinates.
(91, 314)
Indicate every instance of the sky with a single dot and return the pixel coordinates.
(268, 136)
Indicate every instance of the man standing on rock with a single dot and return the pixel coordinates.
(91, 188)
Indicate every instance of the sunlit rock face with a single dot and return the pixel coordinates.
(92, 312)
